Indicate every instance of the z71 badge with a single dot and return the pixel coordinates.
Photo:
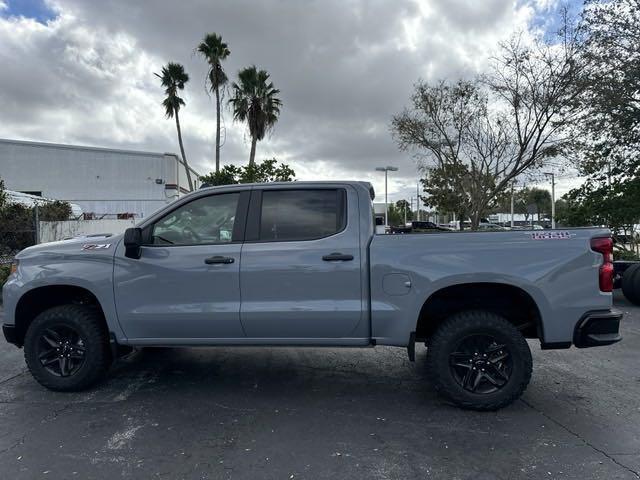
(552, 235)
(96, 246)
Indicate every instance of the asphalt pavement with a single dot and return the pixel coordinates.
(311, 413)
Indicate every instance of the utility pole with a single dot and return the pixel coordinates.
(553, 199)
(386, 170)
(418, 200)
(512, 204)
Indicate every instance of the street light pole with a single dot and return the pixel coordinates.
(386, 170)
(512, 205)
(418, 201)
(553, 199)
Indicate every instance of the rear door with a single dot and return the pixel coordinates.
(301, 274)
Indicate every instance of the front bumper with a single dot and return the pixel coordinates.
(598, 328)
(11, 335)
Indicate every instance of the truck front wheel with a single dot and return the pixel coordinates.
(66, 347)
(478, 360)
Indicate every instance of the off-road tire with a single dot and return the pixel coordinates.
(631, 284)
(462, 325)
(87, 321)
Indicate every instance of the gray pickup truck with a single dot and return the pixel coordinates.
(299, 264)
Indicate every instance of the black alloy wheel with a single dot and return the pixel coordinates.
(480, 364)
(61, 350)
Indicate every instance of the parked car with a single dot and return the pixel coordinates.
(490, 226)
(424, 226)
(299, 264)
(400, 229)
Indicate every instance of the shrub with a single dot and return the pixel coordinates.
(625, 255)
(54, 211)
(5, 271)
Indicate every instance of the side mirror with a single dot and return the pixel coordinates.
(133, 242)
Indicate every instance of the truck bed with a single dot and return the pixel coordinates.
(557, 269)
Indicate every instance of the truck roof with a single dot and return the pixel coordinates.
(357, 183)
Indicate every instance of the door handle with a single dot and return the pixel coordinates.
(218, 259)
(334, 257)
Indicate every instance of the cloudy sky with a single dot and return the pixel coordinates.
(81, 72)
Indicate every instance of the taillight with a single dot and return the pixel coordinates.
(604, 245)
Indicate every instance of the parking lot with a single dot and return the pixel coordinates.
(287, 413)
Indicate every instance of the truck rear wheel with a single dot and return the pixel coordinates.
(479, 361)
(631, 284)
(67, 348)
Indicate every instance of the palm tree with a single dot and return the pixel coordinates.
(255, 101)
(173, 78)
(214, 50)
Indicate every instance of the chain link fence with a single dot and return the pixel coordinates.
(16, 233)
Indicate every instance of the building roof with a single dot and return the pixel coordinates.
(93, 149)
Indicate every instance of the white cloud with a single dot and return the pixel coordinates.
(343, 69)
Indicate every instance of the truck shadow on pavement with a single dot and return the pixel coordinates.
(273, 373)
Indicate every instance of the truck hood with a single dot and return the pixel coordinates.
(94, 244)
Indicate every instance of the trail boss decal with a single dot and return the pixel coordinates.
(552, 235)
(96, 246)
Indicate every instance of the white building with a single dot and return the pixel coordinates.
(102, 181)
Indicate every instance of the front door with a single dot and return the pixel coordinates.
(185, 287)
(301, 265)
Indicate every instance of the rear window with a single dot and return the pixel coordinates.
(301, 214)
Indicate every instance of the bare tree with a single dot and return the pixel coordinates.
(477, 136)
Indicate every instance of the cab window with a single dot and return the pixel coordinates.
(289, 215)
(206, 220)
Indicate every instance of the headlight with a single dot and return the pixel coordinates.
(14, 266)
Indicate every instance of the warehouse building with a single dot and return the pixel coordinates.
(104, 182)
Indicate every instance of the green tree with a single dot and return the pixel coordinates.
(523, 198)
(173, 79)
(561, 208)
(228, 175)
(17, 221)
(614, 206)
(448, 188)
(610, 121)
(404, 206)
(520, 202)
(214, 50)
(255, 101)
(609, 127)
(55, 211)
(541, 198)
(479, 135)
(264, 172)
(394, 215)
(3, 194)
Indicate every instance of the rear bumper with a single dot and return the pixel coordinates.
(10, 334)
(598, 328)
